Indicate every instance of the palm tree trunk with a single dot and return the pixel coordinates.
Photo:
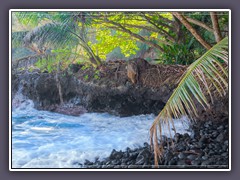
(59, 84)
(92, 55)
(183, 20)
(93, 58)
(216, 29)
(97, 60)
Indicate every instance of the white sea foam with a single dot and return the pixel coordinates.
(42, 128)
(43, 139)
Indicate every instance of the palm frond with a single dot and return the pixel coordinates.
(17, 38)
(31, 18)
(51, 28)
(50, 34)
(208, 71)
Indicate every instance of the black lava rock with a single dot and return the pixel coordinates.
(199, 151)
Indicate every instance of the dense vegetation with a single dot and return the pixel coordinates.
(94, 37)
(199, 39)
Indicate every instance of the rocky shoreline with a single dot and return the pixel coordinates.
(207, 148)
(114, 93)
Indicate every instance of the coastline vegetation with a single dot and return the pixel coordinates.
(56, 40)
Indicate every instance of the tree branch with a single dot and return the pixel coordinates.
(159, 22)
(149, 29)
(183, 20)
(160, 29)
(199, 23)
(137, 36)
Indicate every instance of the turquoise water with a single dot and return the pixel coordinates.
(42, 139)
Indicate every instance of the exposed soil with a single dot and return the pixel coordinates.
(151, 76)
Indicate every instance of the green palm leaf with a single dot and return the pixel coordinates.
(17, 38)
(54, 29)
(31, 19)
(51, 35)
(206, 73)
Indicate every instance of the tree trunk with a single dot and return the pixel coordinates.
(180, 36)
(216, 29)
(183, 20)
(97, 61)
(93, 58)
(59, 84)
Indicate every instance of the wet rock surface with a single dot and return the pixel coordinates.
(201, 149)
(72, 110)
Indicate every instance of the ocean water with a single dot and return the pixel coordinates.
(42, 139)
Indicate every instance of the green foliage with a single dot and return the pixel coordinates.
(85, 67)
(31, 69)
(18, 53)
(178, 54)
(91, 37)
(96, 75)
(52, 30)
(17, 39)
(46, 64)
(86, 77)
(108, 40)
(223, 20)
(50, 62)
(31, 18)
